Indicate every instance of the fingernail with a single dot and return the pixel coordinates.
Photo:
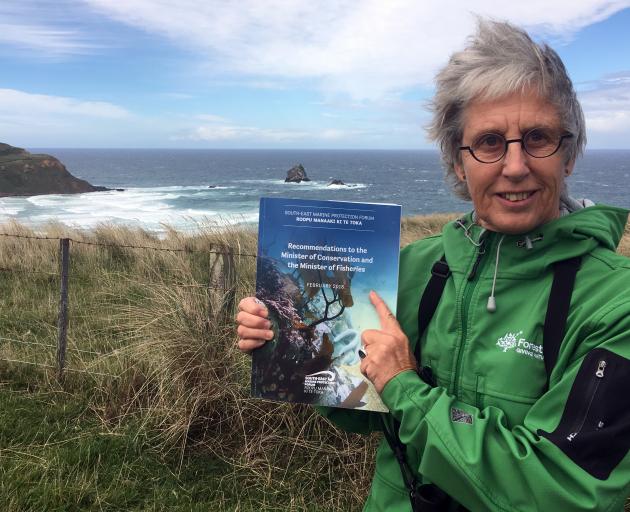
(270, 335)
(268, 325)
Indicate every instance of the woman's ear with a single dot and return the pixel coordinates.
(459, 170)
(569, 167)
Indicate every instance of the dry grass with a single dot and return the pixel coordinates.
(158, 348)
(624, 245)
(420, 226)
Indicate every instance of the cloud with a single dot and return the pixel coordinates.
(61, 121)
(42, 120)
(41, 38)
(607, 104)
(222, 130)
(176, 95)
(229, 132)
(22, 27)
(362, 49)
(210, 118)
(41, 105)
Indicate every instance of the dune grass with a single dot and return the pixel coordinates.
(153, 364)
(56, 455)
(155, 413)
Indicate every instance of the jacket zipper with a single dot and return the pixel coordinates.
(578, 425)
(480, 252)
(469, 287)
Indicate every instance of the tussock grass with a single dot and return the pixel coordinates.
(149, 344)
(152, 351)
(421, 226)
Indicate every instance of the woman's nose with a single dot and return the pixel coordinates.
(515, 162)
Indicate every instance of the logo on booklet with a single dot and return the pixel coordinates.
(323, 376)
(319, 382)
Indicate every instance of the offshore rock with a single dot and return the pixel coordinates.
(26, 174)
(336, 182)
(296, 174)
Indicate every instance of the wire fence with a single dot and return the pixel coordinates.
(219, 284)
(123, 246)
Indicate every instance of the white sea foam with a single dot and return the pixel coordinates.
(152, 208)
(348, 185)
(11, 206)
(320, 185)
(178, 188)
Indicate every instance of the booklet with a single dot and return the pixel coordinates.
(317, 262)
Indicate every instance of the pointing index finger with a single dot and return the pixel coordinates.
(385, 316)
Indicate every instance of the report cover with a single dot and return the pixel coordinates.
(317, 262)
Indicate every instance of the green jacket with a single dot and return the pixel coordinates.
(491, 434)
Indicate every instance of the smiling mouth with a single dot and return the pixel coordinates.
(516, 196)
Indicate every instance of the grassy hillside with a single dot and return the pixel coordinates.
(154, 381)
(154, 412)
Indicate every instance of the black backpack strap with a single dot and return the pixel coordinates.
(428, 497)
(431, 298)
(423, 497)
(400, 452)
(558, 310)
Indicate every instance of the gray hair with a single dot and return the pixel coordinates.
(499, 59)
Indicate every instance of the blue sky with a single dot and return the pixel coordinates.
(274, 73)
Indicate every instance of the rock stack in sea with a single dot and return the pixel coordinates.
(296, 174)
(26, 174)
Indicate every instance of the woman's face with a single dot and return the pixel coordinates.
(519, 192)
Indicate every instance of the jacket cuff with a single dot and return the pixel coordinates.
(405, 387)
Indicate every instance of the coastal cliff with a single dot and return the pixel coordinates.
(26, 174)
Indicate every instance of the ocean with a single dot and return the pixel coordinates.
(186, 189)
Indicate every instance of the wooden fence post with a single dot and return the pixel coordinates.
(62, 320)
(229, 285)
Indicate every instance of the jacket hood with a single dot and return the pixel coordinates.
(529, 254)
(603, 223)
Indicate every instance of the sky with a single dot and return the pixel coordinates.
(275, 73)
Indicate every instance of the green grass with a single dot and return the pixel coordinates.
(57, 455)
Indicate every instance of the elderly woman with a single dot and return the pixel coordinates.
(507, 370)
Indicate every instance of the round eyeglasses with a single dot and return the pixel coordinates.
(539, 143)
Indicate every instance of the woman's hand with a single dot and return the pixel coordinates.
(253, 330)
(387, 350)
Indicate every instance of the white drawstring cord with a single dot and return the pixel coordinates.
(492, 303)
(467, 232)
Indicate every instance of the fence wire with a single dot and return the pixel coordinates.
(221, 274)
(128, 246)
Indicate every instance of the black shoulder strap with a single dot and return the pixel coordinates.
(558, 310)
(431, 298)
(436, 500)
